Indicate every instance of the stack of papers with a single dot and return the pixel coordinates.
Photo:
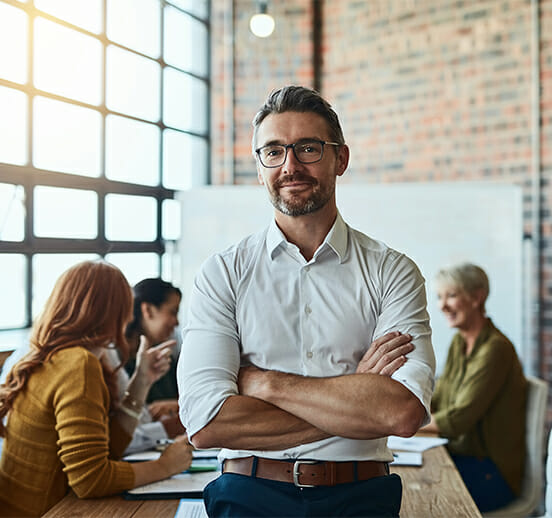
(191, 508)
(415, 443)
(407, 451)
(182, 485)
(204, 468)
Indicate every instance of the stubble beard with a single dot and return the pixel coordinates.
(295, 206)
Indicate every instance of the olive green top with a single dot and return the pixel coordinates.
(479, 402)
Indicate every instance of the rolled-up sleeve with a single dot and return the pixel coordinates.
(210, 355)
(404, 309)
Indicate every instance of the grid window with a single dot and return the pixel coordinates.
(13, 126)
(12, 280)
(13, 42)
(104, 116)
(12, 212)
(67, 62)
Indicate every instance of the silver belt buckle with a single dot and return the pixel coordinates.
(297, 473)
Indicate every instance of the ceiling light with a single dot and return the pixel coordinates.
(261, 23)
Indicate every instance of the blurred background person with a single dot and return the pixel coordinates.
(155, 316)
(479, 401)
(66, 424)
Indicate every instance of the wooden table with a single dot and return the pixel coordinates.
(434, 490)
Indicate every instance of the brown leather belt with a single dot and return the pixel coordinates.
(306, 473)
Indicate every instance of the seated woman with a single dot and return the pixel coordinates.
(479, 401)
(155, 316)
(66, 426)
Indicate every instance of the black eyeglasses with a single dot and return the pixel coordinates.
(305, 151)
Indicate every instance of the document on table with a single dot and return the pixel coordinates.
(415, 443)
(181, 485)
(406, 458)
(155, 454)
(191, 508)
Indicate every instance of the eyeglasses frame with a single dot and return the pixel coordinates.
(292, 146)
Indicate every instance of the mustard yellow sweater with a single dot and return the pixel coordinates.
(59, 435)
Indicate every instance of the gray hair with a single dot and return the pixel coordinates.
(466, 277)
(299, 99)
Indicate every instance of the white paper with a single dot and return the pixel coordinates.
(180, 483)
(155, 454)
(206, 454)
(191, 508)
(415, 443)
(407, 458)
(142, 456)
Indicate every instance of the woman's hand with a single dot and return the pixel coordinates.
(153, 362)
(386, 354)
(162, 407)
(177, 457)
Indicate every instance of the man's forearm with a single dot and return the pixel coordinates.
(251, 424)
(357, 406)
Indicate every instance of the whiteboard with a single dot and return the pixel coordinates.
(434, 224)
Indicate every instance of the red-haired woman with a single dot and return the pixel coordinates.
(65, 425)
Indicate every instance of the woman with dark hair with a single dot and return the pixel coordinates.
(66, 424)
(154, 315)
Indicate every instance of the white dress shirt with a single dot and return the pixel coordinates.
(261, 303)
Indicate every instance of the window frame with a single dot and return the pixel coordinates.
(29, 176)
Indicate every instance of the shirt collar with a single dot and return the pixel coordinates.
(336, 239)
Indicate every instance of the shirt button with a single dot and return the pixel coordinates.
(307, 268)
(308, 310)
(309, 354)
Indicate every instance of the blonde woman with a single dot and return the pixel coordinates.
(479, 401)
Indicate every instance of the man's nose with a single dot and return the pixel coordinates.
(290, 163)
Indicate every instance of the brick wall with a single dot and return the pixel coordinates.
(427, 90)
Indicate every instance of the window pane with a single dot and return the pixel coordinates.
(12, 212)
(83, 13)
(66, 138)
(12, 294)
(171, 219)
(135, 24)
(66, 213)
(184, 101)
(136, 266)
(132, 84)
(132, 151)
(67, 62)
(13, 42)
(185, 42)
(171, 265)
(184, 160)
(197, 7)
(46, 270)
(130, 218)
(13, 126)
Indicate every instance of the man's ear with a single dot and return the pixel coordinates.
(259, 174)
(342, 159)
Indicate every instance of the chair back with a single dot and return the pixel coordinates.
(548, 497)
(531, 491)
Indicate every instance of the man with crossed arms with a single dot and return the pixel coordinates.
(277, 366)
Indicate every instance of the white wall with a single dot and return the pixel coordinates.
(435, 224)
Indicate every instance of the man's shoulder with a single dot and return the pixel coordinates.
(372, 245)
(245, 245)
(235, 255)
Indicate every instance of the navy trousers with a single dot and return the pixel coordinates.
(233, 495)
(484, 482)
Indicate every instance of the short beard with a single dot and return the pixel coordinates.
(316, 201)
